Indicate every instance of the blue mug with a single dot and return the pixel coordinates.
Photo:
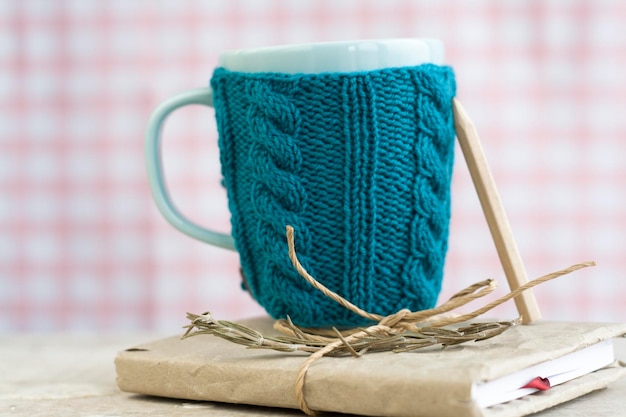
(352, 144)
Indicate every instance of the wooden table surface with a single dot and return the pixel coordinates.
(73, 375)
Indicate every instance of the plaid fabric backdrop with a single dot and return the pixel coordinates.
(82, 245)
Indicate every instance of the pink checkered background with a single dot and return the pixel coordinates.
(82, 246)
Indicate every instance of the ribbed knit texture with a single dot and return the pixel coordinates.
(360, 165)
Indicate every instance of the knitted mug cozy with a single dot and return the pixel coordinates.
(360, 165)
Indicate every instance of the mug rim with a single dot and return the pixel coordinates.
(335, 56)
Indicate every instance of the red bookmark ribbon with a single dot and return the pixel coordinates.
(539, 383)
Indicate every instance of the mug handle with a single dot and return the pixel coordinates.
(154, 164)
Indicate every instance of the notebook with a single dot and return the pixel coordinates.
(526, 369)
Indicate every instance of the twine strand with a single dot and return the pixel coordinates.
(405, 319)
(319, 286)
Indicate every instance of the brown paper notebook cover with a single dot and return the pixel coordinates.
(430, 382)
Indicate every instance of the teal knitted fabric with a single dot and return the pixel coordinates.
(360, 165)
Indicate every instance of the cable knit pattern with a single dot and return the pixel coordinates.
(431, 198)
(360, 164)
